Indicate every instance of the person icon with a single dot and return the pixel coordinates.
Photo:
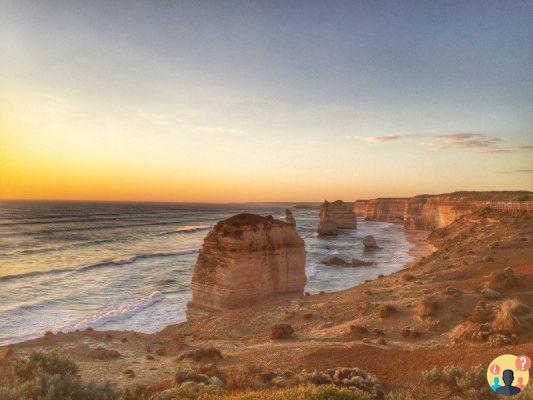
(496, 383)
(520, 383)
(508, 389)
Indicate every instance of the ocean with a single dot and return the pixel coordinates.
(127, 266)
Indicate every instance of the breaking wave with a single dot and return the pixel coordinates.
(110, 263)
(115, 314)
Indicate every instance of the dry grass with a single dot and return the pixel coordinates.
(386, 310)
(513, 316)
(427, 307)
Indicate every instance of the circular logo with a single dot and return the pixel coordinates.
(508, 374)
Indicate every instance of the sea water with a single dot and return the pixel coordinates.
(128, 266)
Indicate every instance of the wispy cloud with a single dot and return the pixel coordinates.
(516, 171)
(481, 143)
(383, 139)
(467, 141)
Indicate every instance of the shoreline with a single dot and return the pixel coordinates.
(421, 247)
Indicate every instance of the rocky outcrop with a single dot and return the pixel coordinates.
(289, 217)
(386, 209)
(336, 215)
(326, 225)
(245, 259)
(370, 243)
(337, 261)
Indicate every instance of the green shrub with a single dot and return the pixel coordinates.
(467, 384)
(38, 363)
(43, 376)
(297, 393)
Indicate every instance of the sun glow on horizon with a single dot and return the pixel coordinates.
(189, 104)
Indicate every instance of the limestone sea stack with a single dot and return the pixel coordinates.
(245, 259)
(289, 217)
(336, 215)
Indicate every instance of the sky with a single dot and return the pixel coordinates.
(227, 101)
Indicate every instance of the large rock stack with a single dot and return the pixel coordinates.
(334, 216)
(245, 259)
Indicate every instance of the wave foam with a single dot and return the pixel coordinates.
(110, 263)
(118, 313)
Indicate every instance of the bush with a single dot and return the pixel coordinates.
(38, 363)
(281, 331)
(43, 376)
(198, 354)
(387, 310)
(464, 383)
(427, 308)
(513, 316)
(298, 393)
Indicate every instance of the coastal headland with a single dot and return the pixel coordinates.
(465, 298)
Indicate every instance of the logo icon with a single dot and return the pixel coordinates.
(508, 374)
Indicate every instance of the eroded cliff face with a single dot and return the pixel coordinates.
(359, 208)
(245, 259)
(386, 209)
(429, 212)
(337, 213)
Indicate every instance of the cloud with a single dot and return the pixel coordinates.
(467, 141)
(480, 143)
(383, 139)
(516, 171)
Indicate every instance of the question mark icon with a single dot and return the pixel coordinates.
(523, 363)
(495, 369)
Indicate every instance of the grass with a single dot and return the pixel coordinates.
(328, 392)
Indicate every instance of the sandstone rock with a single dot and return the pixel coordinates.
(335, 261)
(245, 259)
(370, 243)
(339, 213)
(289, 217)
(327, 227)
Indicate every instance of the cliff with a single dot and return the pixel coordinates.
(359, 208)
(247, 258)
(430, 212)
(386, 209)
(339, 213)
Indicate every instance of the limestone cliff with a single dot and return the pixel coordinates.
(244, 259)
(386, 209)
(337, 213)
(429, 212)
(359, 208)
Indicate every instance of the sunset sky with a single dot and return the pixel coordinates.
(264, 101)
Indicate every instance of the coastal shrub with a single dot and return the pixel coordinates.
(281, 331)
(351, 378)
(101, 353)
(240, 378)
(513, 316)
(481, 313)
(504, 279)
(37, 363)
(427, 307)
(462, 383)
(297, 393)
(386, 310)
(199, 354)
